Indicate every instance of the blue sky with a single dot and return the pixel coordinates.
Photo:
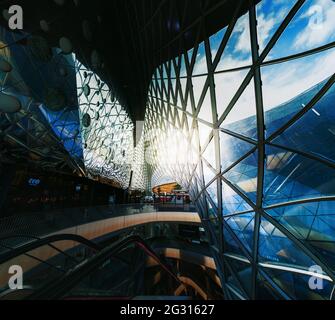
(312, 26)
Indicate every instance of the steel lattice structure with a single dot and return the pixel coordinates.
(244, 120)
(257, 165)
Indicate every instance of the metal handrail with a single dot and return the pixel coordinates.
(73, 277)
(33, 238)
(42, 223)
(7, 256)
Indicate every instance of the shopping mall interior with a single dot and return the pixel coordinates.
(167, 149)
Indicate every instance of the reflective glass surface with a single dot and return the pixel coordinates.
(244, 123)
(269, 125)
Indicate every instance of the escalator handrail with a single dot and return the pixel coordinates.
(7, 256)
(35, 239)
(41, 261)
(73, 277)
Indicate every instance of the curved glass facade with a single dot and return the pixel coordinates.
(60, 115)
(245, 121)
(107, 130)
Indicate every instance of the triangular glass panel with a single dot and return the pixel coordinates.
(310, 28)
(232, 202)
(66, 126)
(209, 153)
(295, 94)
(270, 14)
(232, 149)
(183, 69)
(172, 70)
(265, 291)
(164, 71)
(213, 192)
(204, 134)
(226, 86)
(288, 265)
(206, 108)
(198, 88)
(290, 176)
(276, 249)
(190, 54)
(309, 209)
(215, 42)
(209, 173)
(293, 282)
(312, 222)
(243, 271)
(212, 209)
(300, 226)
(238, 49)
(323, 229)
(243, 226)
(165, 91)
(317, 125)
(231, 246)
(234, 287)
(188, 102)
(242, 118)
(182, 92)
(244, 176)
(200, 66)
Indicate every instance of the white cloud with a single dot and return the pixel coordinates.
(226, 85)
(200, 65)
(283, 82)
(243, 41)
(230, 61)
(269, 21)
(320, 27)
(265, 26)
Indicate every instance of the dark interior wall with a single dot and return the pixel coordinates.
(131, 37)
(24, 190)
(7, 174)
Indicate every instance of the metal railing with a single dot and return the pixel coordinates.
(62, 287)
(42, 223)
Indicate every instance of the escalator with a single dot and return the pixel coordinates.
(69, 267)
(42, 260)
